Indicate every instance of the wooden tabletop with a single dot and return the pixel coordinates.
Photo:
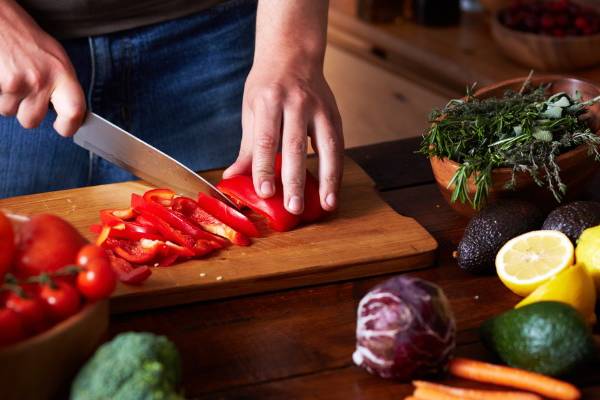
(297, 344)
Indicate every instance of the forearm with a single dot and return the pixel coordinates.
(291, 32)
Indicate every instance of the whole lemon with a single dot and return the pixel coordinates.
(587, 253)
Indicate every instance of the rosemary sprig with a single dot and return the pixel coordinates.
(525, 131)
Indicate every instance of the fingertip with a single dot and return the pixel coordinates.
(295, 205)
(266, 189)
(329, 202)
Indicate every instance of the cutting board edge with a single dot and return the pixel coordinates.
(269, 284)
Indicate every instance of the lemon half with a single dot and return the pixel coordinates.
(527, 261)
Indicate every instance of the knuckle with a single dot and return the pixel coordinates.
(264, 171)
(266, 142)
(296, 145)
(331, 180)
(273, 94)
(299, 98)
(36, 79)
(295, 182)
(12, 83)
(74, 111)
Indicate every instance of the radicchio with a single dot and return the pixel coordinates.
(404, 329)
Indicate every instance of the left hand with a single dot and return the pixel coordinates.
(286, 103)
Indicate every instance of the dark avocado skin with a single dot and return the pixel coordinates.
(573, 218)
(493, 226)
(548, 337)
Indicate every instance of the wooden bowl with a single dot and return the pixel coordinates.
(576, 166)
(546, 53)
(495, 5)
(39, 367)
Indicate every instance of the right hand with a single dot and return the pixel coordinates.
(34, 72)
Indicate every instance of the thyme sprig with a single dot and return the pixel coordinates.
(525, 131)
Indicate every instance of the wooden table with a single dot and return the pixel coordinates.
(297, 344)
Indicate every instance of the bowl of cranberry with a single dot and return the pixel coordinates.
(554, 35)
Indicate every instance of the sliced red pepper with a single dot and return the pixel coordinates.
(206, 221)
(241, 188)
(174, 219)
(137, 252)
(161, 196)
(126, 272)
(115, 217)
(228, 215)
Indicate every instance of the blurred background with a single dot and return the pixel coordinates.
(389, 62)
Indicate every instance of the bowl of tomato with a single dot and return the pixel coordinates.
(53, 303)
(554, 35)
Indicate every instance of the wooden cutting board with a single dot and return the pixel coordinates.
(364, 237)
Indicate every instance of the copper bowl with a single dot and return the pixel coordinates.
(576, 166)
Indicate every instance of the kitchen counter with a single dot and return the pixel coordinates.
(297, 344)
(443, 59)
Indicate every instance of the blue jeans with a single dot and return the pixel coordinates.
(177, 85)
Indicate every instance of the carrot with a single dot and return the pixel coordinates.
(513, 377)
(433, 394)
(473, 394)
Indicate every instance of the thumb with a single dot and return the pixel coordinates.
(241, 166)
(69, 103)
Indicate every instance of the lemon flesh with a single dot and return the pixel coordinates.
(527, 261)
(573, 286)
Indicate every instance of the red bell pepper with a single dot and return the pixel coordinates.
(126, 272)
(206, 221)
(228, 215)
(241, 189)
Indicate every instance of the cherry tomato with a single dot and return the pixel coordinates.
(90, 252)
(97, 280)
(7, 245)
(31, 310)
(62, 301)
(11, 327)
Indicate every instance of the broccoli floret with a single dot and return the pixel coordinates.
(133, 366)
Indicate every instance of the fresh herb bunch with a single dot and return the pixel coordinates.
(525, 131)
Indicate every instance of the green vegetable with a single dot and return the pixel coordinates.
(548, 337)
(525, 131)
(133, 366)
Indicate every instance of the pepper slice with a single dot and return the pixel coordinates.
(149, 205)
(126, 272)
(228, 215)
(206, 221)
(114, 217)
(241, 189)
(137, 252)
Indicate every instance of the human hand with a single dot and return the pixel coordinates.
(285, 104)
(34, 72)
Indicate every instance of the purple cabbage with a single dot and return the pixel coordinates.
(404, 329)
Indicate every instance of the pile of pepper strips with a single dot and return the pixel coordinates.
(161, 228)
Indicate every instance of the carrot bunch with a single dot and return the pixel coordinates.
(498, 375)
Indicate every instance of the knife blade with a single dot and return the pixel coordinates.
(123, 149)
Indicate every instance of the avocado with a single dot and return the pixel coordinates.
(573, 218)
(493, 226)
(548, 337)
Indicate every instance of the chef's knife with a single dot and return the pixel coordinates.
(141, 159)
